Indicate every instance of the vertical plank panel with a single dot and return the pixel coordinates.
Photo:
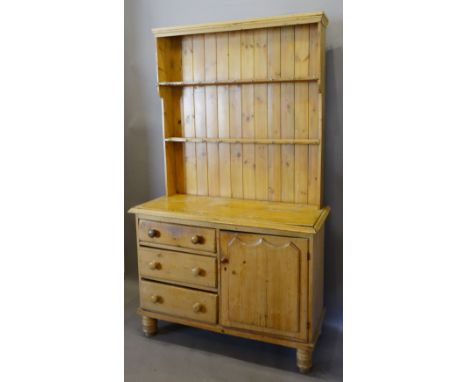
(211, 115)
(314, 150)
(169, 59)
(274, 114)
(174, 153)
(235, 115)
(178, 148)
(222, 73)
(287, 114)
(188, 120)
(260, 113)
(323, 76)
(314, 170)
(200, 113)
(314, 37)
(301, 99)
(248, 128)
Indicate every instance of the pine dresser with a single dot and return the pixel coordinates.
(236, 245)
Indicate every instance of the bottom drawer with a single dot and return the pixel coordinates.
(181, 302)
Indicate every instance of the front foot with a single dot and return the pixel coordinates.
(304, 360)
(150, 326)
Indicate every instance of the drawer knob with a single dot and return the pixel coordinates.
(224, 260)
(155, 265)
(196, 271)
(197, 239)
(153, 233)
(156, 299)
(197, 307)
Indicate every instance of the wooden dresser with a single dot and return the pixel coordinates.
(236, 245)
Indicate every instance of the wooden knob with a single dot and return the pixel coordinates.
(196, 271)
(224, 260)
(197, 307)
(153, 233)
(197, 239)
(154, 265)
(156, 299)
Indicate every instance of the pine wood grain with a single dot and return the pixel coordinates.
(176, 235)
(273, 215)
(177, 266)
(260, 113)
(264, 283)
(301, 99)
(235, 114)
(245, 24)
(287, 114)
(177, 301)
(247, 105)
(242, 220)
(251, 112)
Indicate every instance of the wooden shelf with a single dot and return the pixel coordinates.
(237, 82)
(264, 141)
(243, 112)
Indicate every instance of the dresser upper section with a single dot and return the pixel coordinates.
(243, 108)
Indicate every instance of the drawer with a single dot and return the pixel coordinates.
(177, 235)
(177, 266)
(181, 302)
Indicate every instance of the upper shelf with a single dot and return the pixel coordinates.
(237, 82)
(234, 25)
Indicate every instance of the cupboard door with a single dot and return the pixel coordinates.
(264, 283)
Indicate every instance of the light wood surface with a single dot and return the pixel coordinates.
(304, 360)
(316, 283)
(181, 267)
(150, 326)
(176, 301)
(264, 283)
(176, 235)
(228, 95)
(245, 24)
(262, 141)
(273, 215)
(236, 245)
(244, 81)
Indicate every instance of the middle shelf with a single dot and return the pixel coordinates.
(244, 81)
(265, 141)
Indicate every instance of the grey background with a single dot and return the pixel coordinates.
(144, 173)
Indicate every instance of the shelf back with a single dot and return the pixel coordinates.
(283, 110)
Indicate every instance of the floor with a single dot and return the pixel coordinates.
(180, 353)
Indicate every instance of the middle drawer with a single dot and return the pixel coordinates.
(177, 266)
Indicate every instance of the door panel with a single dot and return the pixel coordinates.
(264, 283)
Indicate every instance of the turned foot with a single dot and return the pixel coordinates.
(304, 360)
(150, 326)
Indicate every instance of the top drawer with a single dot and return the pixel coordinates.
(177, 235)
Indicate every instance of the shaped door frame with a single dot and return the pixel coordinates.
(248, 240)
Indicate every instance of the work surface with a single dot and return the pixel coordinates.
(250, 213)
